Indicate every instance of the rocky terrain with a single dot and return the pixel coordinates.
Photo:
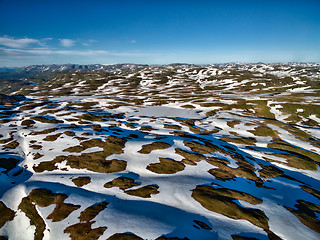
(229, 151)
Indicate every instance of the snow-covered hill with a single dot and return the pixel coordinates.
(228, 151)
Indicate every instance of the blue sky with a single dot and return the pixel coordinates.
(158, 32)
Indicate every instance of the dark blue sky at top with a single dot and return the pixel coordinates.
(159, 31)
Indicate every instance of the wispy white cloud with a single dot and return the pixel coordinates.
(133, 41)
(18, 43)
(88, 43)
(66, 42)
(28, 52)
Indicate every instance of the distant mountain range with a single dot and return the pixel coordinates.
(65, 68)
(8, 69)
(34, 70)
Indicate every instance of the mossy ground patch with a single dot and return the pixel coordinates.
(148, 148)
(166, 166)
(122, 183)
(81, 181)
(6, 214)
(222, 201)
(144, 192)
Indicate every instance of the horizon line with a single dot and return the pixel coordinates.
(166, 64)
